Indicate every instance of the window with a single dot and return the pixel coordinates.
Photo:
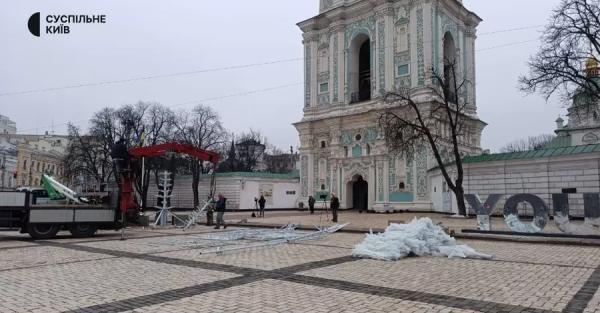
(324, 87)
(290, 193)
(403, 70)
(450, 66)
(368, 149)
(323, 61)
(346, 151)
(401, 186)
(360, 69)
(322, 187)
(323, 144)
(364, 72)
(358, 137)
(569, 190)
(25, 164)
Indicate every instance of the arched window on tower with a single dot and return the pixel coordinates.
(450, 66)
(360, 69)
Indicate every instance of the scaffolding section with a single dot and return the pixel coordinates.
(241, 240)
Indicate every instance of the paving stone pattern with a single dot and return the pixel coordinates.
(159, 271)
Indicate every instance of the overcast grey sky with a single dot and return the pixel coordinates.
(145, 38)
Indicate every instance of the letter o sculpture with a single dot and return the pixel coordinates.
(511, 214)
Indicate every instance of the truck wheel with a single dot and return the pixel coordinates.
(42, 231)
(83, 230)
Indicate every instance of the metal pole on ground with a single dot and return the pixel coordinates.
(123, 218)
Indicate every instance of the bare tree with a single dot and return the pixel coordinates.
(139, 124)
(146, 124)
(570, 40)
(201, 128)
(413, 127)
(85, 157)
(251, 147)
(531, 143)
(105, 129)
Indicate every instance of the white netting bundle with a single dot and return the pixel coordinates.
(420, 237)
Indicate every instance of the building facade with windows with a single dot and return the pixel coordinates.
(357, 51)
(7, 126)
(42, 155)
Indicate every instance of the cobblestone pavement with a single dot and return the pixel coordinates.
(372, 220)
(172, 271)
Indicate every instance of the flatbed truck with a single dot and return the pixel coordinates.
(43, 221)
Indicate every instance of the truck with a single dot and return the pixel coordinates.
(19, 211)
(43, 220)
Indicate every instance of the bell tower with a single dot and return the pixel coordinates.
(356, 52)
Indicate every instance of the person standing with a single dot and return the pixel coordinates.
(120, 158)
(209, 213)
(261, 203)
(335, 205)
(311, 204)
(220, 209)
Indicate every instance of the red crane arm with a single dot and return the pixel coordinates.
(158, 150)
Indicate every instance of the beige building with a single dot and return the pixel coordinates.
(44, 154)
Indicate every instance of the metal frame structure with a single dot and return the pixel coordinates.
(127, 200)
(321, 231)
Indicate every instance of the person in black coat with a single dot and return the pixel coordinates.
(220, 209)
(335, 205)
(311, 204)
(120, 158)
(261, 204)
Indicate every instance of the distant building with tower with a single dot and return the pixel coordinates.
(583, 126)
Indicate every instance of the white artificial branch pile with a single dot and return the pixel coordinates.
(420, 237)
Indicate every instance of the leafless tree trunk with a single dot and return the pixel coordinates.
(201, 128)
(439, 124)
(145, 124)
(85, 157)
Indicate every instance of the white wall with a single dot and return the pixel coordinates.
(239, 191)
(541, 176)
(280, 200)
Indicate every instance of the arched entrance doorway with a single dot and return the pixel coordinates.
(358, 194)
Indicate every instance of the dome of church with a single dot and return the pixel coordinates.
(591, 66)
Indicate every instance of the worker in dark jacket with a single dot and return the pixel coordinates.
(261, 204)
(220, 209)
(120, 157)
(119, 151)
(311, 204)
(335, 205)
